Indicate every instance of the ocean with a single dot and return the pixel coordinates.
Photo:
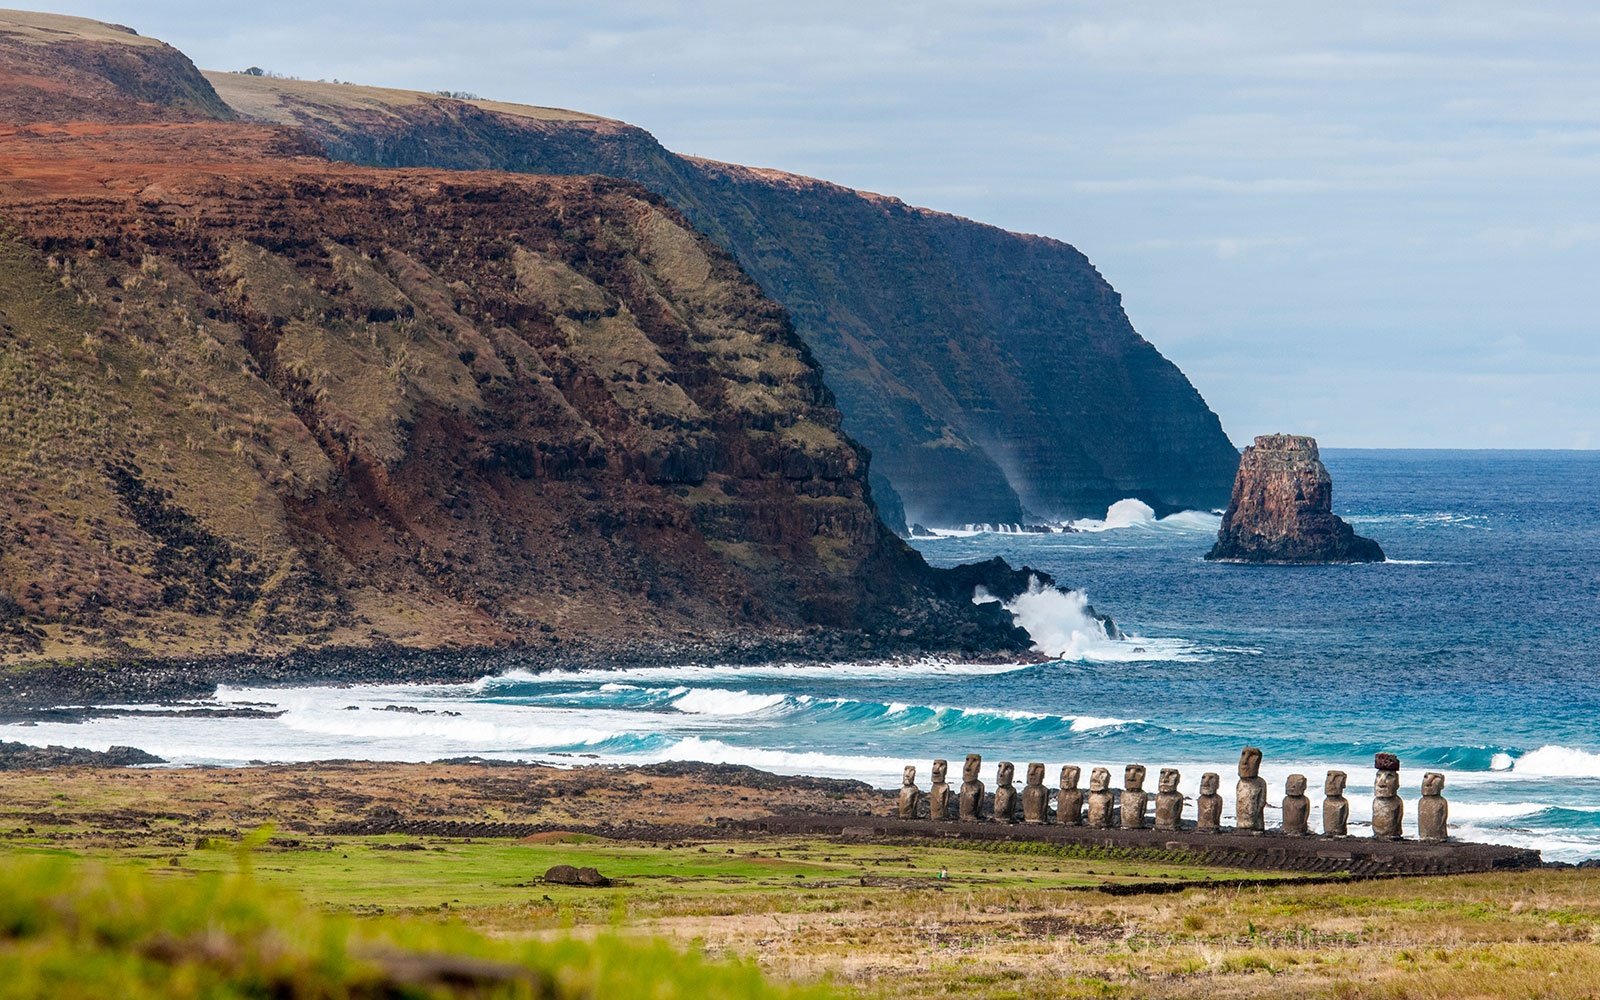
(1473, 652)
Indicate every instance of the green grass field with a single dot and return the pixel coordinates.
(140, 883)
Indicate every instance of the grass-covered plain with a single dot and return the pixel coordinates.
(854, 918)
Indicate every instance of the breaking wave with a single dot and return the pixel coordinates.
(1557, 762)
(1131, 513)
(1061, 626)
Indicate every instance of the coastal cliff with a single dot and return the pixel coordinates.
(992, 375)
(253, 402)
(1282, 509)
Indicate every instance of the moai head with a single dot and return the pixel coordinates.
(1099, 780)
(1069, 775)
(1133, 777)
(940, 767)
(1169, 779)
(1036, 775)
(1005, 772)
(1388, 784)
(1249, 762)
(969, 770)
(908, 778)
(1433, 783)
(1296, 785)
(1333, 786)
(1210, 782)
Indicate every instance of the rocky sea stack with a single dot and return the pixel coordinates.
(1282, 509)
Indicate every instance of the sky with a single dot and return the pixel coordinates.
(1375, 222)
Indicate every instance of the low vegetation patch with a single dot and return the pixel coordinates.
(69, 928)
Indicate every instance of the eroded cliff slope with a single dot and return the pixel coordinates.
(989, 373)
(251, 401)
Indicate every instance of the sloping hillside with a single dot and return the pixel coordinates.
(989, 373)
(251, 401)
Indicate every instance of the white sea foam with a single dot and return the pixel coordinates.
(881, 771)
(721, 673)
(1132, 513)
(1085, 723)
(1122, 514)
(716, 701)
(1062, 627)
(1557, 762)
(1501, 762)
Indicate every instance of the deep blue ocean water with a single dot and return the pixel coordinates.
(1475, 652)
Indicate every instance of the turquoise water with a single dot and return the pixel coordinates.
(1474, 652)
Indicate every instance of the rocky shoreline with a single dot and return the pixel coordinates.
(51, 689)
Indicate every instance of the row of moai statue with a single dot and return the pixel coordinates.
(1128, 807)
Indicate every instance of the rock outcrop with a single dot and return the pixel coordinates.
(254, 402)
(992, 375)
(1282, 509)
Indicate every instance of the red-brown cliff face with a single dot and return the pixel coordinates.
(1282, 509)
(991, 374)
(251, 401)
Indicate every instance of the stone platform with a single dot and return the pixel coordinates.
(1360, 856)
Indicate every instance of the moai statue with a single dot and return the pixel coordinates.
(1208, 805)
(1250, 795)
(970, 807)
(1005, 793)
(1100, 799)
(910, 796)
(939, 792)
(1035, 797)
(1335, 807)
(1296, 807)
(1135, 799)
(1433, 812)
(1387, 809)
(1169, 801)
(1069, 800)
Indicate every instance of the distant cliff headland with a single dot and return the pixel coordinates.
(993, 376)
(255, 401)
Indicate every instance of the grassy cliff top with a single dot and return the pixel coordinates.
(275, 99)
(40, 28)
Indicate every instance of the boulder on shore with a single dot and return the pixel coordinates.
(1282, 509)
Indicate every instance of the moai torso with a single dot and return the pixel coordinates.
(910, 796)
(1335, 807)
(1069, 800)
(971, 805)
(1005, 793)
(1035, 797)
(1208, 804)
(1135, 800)
(1250, 795)
(1387, 809)
(1296, 807)
(1433, 812)
(1169, 801)
(1100, 799)
(939, 792)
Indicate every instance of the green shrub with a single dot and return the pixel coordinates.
(71, 930)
